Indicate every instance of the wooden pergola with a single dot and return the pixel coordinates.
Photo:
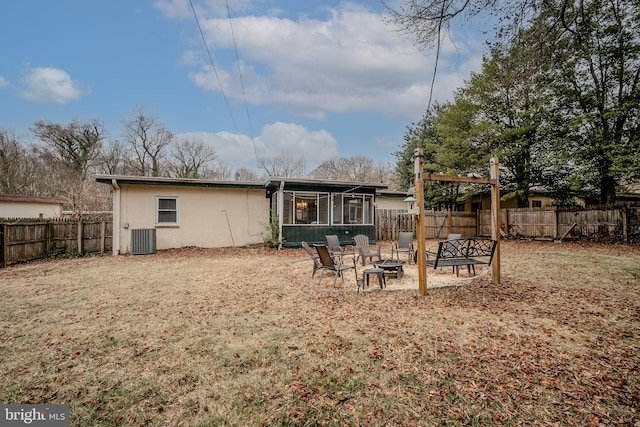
(420, 177)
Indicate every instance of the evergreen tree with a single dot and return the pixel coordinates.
(596, 80)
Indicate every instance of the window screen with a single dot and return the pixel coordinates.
(167, 210)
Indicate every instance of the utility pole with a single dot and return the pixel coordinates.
(418, 164)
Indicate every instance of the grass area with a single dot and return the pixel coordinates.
(232, 337)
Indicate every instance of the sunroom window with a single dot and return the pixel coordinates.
(305, 208)
(357, 209)
(316, 208)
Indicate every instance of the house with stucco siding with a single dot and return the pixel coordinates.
(206, 213)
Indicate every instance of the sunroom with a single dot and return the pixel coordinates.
(308, 210)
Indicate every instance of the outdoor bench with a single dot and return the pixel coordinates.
(467, 252)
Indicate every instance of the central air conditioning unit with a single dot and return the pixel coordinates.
(143, 241)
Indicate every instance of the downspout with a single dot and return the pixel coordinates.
(116, 218)
(280, 210)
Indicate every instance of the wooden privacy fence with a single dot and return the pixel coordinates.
(26, 240)
(438, 224)
(390, 222)
(617, 223)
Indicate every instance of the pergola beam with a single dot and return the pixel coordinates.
(453, 178)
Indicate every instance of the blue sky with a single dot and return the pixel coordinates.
(322, 79)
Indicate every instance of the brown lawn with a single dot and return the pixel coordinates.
(244, 336)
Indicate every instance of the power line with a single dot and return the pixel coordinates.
(204, 40)
(435, 67)
(244, 94)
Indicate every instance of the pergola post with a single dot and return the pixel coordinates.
(421, 262)
(494, 170)
(494, 181)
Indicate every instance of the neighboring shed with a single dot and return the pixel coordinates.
(308, 210)
(30, 207)
(187, 212)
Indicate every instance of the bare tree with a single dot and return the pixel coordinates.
(283, 166)
(65, 160)
(190, 158)
(76, 146)
(220, 170)
(355, 168)
(244, 174)
(425, 21)
(14, 176)
(148, 140)
(113, 159)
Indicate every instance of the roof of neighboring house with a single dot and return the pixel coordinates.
(302, 184)
(393, 194)
(633, 188)
(632, 193)
(31, 199)
(536, 191)
(187, 182)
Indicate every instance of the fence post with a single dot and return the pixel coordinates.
(3, 245)
(625, 230)
(477, 233)
(47, 238)
(103, 235)
(80, 229)
(506, 222)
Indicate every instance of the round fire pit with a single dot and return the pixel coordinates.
(391, 267)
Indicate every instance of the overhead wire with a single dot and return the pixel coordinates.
(438, 46)
(244, 93)
(213, 65)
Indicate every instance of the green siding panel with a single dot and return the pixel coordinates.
(294, 235)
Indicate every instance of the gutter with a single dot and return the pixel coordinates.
(116, 217)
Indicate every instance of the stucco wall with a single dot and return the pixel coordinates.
(390, 203)
(29, 210)
(207, 217)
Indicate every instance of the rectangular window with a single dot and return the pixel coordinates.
(337, 208)
(287, 213)
(536, 203)
(306, 208)
(352, 210)
(369, 210)
(167, 210)
(323, 208)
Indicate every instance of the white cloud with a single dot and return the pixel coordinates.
(182, 8)
(350, 62)
(3, 82)
(276, 138)
(50, 84)
(173, 8)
